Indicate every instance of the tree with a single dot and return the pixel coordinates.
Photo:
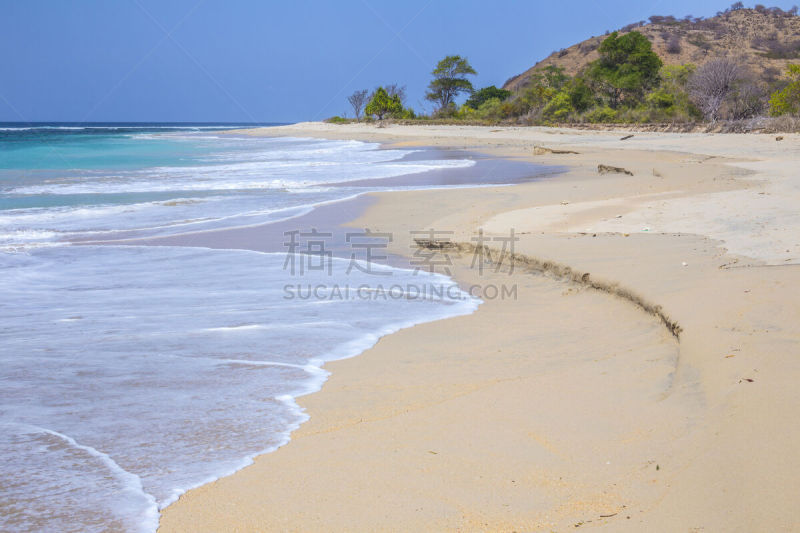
(710, 85)
(485, 94)
(450, 80)
(397, 90)
(580, 95)
(554, 76)
(787, 100)
(381, 104)
(358, 99)
(627, 67)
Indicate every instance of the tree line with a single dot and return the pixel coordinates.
(627, 83)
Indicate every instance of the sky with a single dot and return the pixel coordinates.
(270, 61)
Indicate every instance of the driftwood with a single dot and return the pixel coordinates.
(541, 150)
(433, 244)
(607, 169)
(626, 137)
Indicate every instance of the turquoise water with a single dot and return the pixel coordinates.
(65, 146)
(59, 184)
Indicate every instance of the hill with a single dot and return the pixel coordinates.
(763, 39)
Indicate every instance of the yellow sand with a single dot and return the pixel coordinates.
(572, 405)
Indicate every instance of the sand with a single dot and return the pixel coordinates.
(644, 378)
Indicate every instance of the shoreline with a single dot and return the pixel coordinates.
(695, 397)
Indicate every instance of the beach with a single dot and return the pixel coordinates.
(642, 377)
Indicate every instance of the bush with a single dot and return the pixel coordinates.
(660, 99)
(746, 101)
(338, 120)
(405, 114)
(485, 94)
(700, 42)
(674, 45)
(601, 114)
(558, 108)
(787, 100)
(491, 110)
(381, 104)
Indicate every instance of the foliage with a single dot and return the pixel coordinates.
(486, 94)
(553, 76)
(381, 104)
(405, 113)
(670, 100)
(492, 110)
(626, 69)
(787, 100)
(580, 94)
(601, 114)
(338, 120)
(558, 108)
(450, 80)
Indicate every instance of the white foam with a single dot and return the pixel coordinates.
(132, 484)
(189, 373)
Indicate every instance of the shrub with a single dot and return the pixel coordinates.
(381, 104)
(338, 120)
(699, 41)
(559, 107)
(660, 99)
(745, 101)
(485, 94)
(492, 109)
(787, 100)
(674, 45)
(405, 113)
(601, 114)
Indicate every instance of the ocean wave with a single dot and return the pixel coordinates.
(239, 176)
(161, 392)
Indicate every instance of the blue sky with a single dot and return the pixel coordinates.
(257, 60)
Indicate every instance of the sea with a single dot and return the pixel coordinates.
(130, 374)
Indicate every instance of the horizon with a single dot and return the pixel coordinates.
(139, 61)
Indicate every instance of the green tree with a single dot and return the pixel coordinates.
(554, 76)
(450, 80)
(485, 94)
(787, 100)
(670, 99)
(627, 67)
(381, 104)
(559, 107)
(580, 95)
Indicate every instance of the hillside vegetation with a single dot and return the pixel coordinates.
(764, 40)
(737, 71)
